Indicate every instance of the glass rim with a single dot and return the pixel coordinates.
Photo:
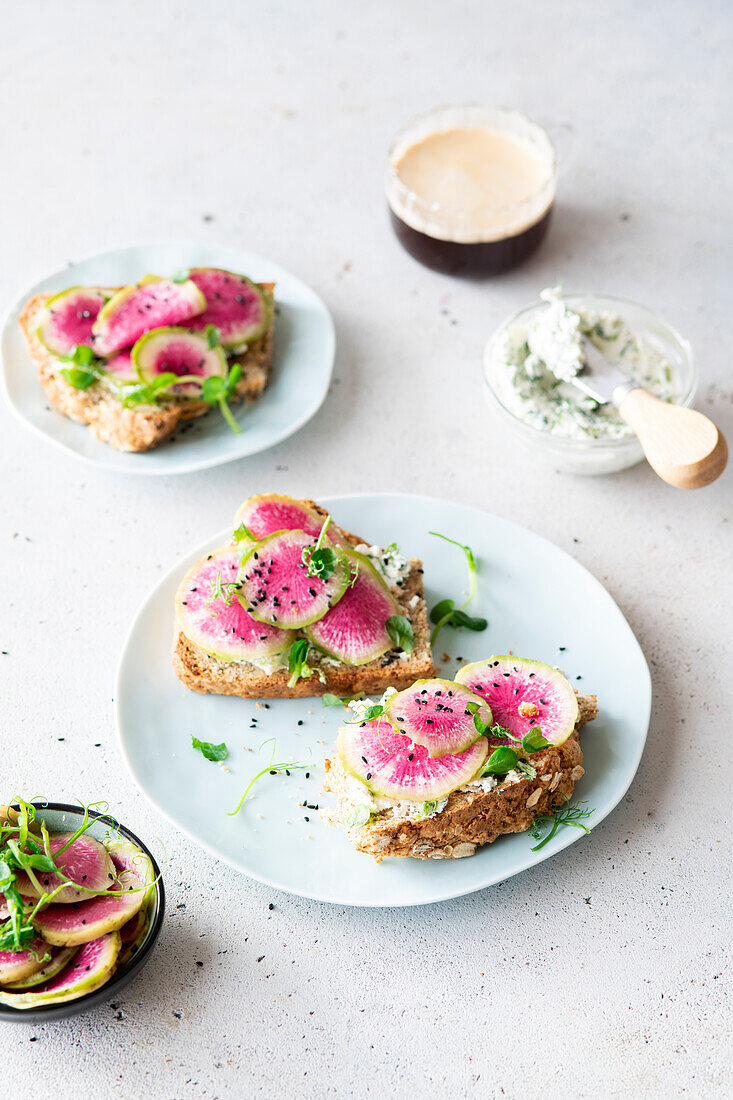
(407, 194)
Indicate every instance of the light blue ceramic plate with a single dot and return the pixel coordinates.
(536, 597)
(304, 354)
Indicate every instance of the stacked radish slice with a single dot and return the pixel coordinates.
(254, 598)
(436, 736)
(89, 928)
(158, 327)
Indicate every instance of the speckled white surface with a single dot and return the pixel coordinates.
(600, 973)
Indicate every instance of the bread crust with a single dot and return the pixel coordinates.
(203, 673)
(140, 429)
(470, 818)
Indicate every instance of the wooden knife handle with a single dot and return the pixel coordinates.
(681, 445)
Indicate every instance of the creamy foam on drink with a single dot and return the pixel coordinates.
(472, 183)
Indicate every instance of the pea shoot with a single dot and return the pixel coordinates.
(320, 561)
(298, 666)
(270, 769)
(445, 613)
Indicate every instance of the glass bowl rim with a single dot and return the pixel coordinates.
(592, 297)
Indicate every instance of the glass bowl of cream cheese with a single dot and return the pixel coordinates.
(531, 357)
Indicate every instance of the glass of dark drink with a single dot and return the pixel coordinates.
(470, 188)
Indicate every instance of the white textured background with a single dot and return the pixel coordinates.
(602, 972)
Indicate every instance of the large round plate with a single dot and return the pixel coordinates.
(536, 597)
(304, 354)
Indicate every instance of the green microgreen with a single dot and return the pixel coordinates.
(224, 592)
(147, 393)
(430, 807)
(368, 714)
(566, 814)
(533, 740)
(329, 700)
(298, 666)
(360, 815)
(209, 751)
(501, 761)
(445, 613)
(320, 560)
(243, 534)
(270, 769)
(217, 391)
(181, 276)
(401, 633)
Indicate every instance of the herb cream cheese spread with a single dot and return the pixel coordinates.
(534, 363)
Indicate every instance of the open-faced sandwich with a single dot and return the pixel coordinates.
(443, 767)
(135, 362)
(294, 605)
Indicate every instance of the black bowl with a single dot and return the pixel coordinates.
(56, 815)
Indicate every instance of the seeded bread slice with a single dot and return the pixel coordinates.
(201, 672)
(470, 818)
(144, 427)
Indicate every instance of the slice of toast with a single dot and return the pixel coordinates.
(472, 816)
(146, 426)
(201, 672)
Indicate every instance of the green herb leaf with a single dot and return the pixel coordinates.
(78, 378)
(401, 633)
(233, 377)
(534, 740)
(320, 560)
(243, 534)
(213, 389)
(360, 815)
(566, 814)
(216, 390)
(181, 276)
(429, 808)
(211, 332)
(441, 610)
(501, 761)
(211, 752)
(460, 618)
(298, 666)
(445, 613)
(147, 393)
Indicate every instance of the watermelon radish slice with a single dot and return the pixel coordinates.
(68, 318)
(126, 856)
(355, 631)
(86, 863)
(435, 713)
(225, 631)
(16, 966)
(389, 764)
(121, 367)
(135, 310)
(132, 935)
(69, 925)
(270, 512)
(234, 304)
(523, 694)
(181, 352)
(275, 584)
(49, 970)
(90, 969)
